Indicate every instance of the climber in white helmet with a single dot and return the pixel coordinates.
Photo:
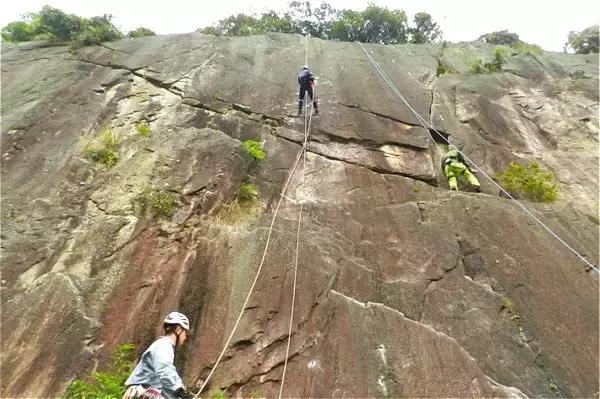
(155, 376)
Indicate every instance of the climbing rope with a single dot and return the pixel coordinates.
(262, 261)
(301, 154)
(427, 126)
(308, 118)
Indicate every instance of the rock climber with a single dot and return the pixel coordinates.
(155, 376)
(306, 80)
(454, 165)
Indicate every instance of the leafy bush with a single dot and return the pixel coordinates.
(372, 25)
(529, 182)
(503, 37)
(53, 24)
(140, 32)
(105, 384)
(98, 29)
(59, 25)
(25, 30)
(584, 42)
(254, 149)
(143, 129)
(106, 155)
(157, 202)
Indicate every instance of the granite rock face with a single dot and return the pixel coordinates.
(405, 289)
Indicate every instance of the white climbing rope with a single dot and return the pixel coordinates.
(427, 126)
(301, 154)
(264, 255)
(308, 118)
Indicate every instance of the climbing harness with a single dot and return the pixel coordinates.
(427, 126)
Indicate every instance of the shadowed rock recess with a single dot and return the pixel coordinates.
(405, 289)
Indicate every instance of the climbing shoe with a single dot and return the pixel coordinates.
(316, 111)
(299, 112)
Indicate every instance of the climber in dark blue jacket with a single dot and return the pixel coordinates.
(306, 80)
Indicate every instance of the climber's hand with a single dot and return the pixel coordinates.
(182, 393)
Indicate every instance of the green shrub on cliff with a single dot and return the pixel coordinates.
(254, 149)
(105, 384)
(529, 182)
(140, 32)
(157, 202)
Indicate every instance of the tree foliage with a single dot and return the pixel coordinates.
(500, 38)
(53, 24)
(583, 42)
(313, 21)
(511, 41)
(140, 32)
(425, 29)
(372, 25)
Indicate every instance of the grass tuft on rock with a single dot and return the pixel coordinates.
(105, 152)
(501, 54)
(142, 129)
(244, 206)
(443, 69)
(156, 202)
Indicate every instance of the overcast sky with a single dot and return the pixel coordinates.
(543, 22)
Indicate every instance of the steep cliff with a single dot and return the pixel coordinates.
(404, 287)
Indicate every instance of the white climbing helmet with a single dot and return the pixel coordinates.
(178, 318)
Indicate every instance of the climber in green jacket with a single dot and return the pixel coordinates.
(454, 165)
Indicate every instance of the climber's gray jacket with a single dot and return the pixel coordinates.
(156, 368)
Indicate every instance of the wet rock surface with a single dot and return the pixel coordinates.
(404, 288)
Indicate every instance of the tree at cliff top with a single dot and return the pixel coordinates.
(372, 25)
(53, 24)
(584, 42)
